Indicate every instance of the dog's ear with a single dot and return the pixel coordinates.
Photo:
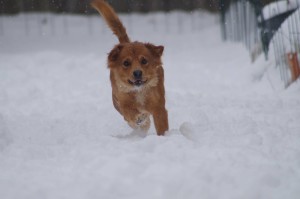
(115, 52)
(155, 50)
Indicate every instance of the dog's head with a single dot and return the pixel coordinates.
(135, 65)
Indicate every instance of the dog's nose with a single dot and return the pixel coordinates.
(137, 74)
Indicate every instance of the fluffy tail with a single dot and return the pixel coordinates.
(111, 19)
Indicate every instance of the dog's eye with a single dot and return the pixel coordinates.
(126, 63)
(144, 61)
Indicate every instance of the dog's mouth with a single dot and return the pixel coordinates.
(138, 82)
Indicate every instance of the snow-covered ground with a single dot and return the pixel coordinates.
(235, 132)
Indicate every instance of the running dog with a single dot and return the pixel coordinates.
(136, 75)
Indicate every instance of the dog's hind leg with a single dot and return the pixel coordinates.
(160, 117)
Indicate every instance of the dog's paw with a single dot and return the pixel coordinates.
(141, 119)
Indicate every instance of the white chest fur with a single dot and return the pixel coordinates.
(140, 97)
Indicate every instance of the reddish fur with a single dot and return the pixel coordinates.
(135, 104)
(111, 19)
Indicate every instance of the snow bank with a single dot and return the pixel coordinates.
(234, 133)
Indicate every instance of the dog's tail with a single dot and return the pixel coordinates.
(111, 19)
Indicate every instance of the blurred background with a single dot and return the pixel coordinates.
(82, 6)
(255, 23)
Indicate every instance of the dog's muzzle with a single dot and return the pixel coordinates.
(137, 82)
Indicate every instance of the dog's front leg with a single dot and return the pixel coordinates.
(135, 118)
(160, 116)
(129, 114)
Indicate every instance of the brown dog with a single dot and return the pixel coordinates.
(137, 76)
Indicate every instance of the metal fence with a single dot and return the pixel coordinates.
(260, 27)
(239, 24)
(286, 46)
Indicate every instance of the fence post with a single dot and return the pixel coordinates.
(65, 23)
(166, 6)
(179, 21)
(52, 24)
(39, 23)
(89, 20)
(1, 18)
(223, 26)
(293, 63)
(1, 26)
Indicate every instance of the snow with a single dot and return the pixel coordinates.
(234, 130)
